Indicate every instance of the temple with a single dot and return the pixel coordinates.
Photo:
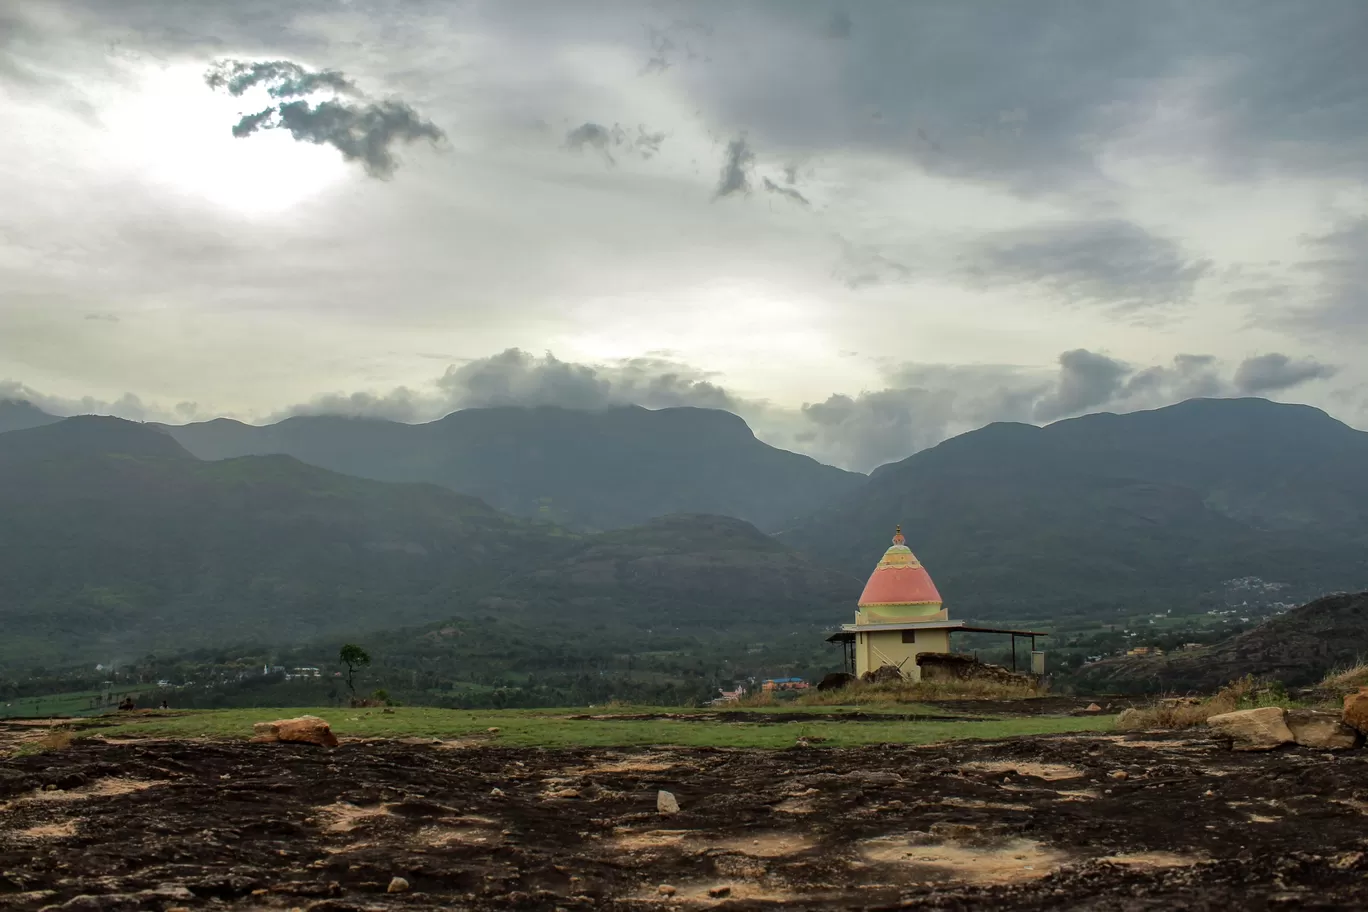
(900, 615)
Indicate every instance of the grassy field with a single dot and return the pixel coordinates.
(557, 728)
(64, 704)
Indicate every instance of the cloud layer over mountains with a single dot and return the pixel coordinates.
(920, 406)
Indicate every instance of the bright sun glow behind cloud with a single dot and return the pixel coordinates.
(178, 132)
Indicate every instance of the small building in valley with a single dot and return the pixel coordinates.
(900, 615)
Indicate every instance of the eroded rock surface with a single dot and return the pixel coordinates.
(1321, 730)
(1024, 825)
(1252, 729)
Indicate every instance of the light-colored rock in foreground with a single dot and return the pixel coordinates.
(1321, 730)
(1253, 729)
(306, 729)
(666, 803)
(1356, 710)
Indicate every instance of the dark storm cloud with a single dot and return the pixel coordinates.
(1110, 263)
(736, 167)
(281, 79)
(791, 193)
(604, 140)
(1027, 95)
(363, 131)
(1086, 380)
(1276, 372)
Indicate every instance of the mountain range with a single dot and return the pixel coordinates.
(123, 536)
(588, 470)
(116, 540)
(1136, 512)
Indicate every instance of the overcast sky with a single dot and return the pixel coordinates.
(861, 226)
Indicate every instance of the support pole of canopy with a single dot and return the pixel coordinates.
(1014, 652)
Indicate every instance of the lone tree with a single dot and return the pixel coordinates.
(354, 657)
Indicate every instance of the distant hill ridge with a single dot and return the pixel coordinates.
(115, 540)
(1297, 648)
(602, 469)
(1118, 512)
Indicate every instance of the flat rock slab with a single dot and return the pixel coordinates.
(1020, 825)
(1321, 730)
(1253, 729)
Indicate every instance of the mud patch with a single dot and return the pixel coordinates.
(49, 831)
(1008, 862)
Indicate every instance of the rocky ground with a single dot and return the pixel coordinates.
(1127, 822)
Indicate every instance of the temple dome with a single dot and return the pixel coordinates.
(900, 585)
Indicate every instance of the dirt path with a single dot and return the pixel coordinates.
(1098, 822)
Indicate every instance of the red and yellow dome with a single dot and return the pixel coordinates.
(900, 585)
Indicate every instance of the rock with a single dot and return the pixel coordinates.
(719, 892)
(397, 885)
(666, 890)
(496, 793)
(305, 729)
(666, 803)
(1356, 710)
(1321, 730)
(884, 674)
(1252, 729)
(1119, 775)
(836, 680)
(493, 730)
(1093, 708)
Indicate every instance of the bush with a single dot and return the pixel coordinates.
(1341, 681)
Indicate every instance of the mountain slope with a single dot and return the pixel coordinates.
(603, 469)
(1118, 512)
(1297, 648)
(114, 540)
(18, 415)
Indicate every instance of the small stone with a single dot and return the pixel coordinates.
(719, 892)
(1119, 775)
(666, 803)
(1209, 794)
(665, 890)
(496, 793)
(398, 885)
(493, 730)
(1093, 708)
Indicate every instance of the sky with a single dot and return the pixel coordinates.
(864, 226)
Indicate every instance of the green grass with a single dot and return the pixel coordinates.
(554, 728)
(62, 704)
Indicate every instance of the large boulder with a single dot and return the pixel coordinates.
(1321, 730)
(305, 729)
(1252, 729)
(1356, 710)
(836, 680)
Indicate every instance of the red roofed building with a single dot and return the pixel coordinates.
(901, 615)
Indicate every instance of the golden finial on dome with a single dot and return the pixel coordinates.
(898, 536)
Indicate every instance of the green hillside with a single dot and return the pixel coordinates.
(117, 541)
(1151, 510)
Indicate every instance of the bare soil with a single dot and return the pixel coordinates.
(1113, 822)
